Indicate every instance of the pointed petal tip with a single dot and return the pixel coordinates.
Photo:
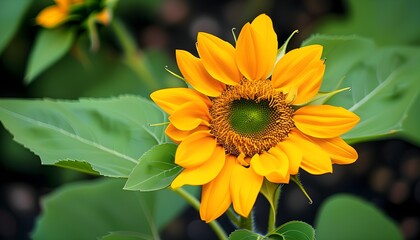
(324, 121)
(218, 58)
(196, 74)
(262, 17)
(315, 48)
(256, 49)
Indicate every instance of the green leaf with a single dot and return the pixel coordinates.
(109, 134)
(294, 230)
(11, 15)
(384, 86)
(352, 218)
(341, 53)
(244, 234)
(92, 209)
(50, 46)
(387, 22)
(125, 235)
(156, 169)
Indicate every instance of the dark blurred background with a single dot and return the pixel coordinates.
(386, 174)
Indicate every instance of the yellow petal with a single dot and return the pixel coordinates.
(51, 16)
(314, 159)
(64, 4)
(245, 184)
(300, 69)
(256, 49)
(324, 121)
(340, 152)
(170, 99)
(178, 136)
(195, 74)
(276, 178)
(189, 116)
(267, 47)
(282, 160)
(273, 166)
(215, 196)
(104, 16)
(195, 150)
(201, 174)
(273, 162)
(293, 153)
(218, 57)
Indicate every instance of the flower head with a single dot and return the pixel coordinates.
(249, 117)
(65, 10)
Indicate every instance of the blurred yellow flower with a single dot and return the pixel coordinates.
(247, 118)
(59, 13)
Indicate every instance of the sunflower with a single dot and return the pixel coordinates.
(249, 117)
(55, 15)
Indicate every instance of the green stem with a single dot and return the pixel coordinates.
(93, 34)
(273, 211)
(246, 223)
(133, 56)
(196, 204)
(233, 217)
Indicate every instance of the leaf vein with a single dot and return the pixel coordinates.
(71, 135)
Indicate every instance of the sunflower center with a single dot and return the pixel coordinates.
(250, 118)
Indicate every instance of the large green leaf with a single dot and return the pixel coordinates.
(346, 217)
(11, 15)
(50, 46)
(342, 53)
(156, 169)
(109, 134)
(384, 83)
(386, 21)
(126, 235)
(89, 210)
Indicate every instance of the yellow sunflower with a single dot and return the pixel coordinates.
(248, 118)
(55, 15)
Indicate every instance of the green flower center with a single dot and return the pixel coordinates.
(250, 118)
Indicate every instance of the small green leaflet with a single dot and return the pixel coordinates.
(293, 230)
(50, 46)
(156, 169)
